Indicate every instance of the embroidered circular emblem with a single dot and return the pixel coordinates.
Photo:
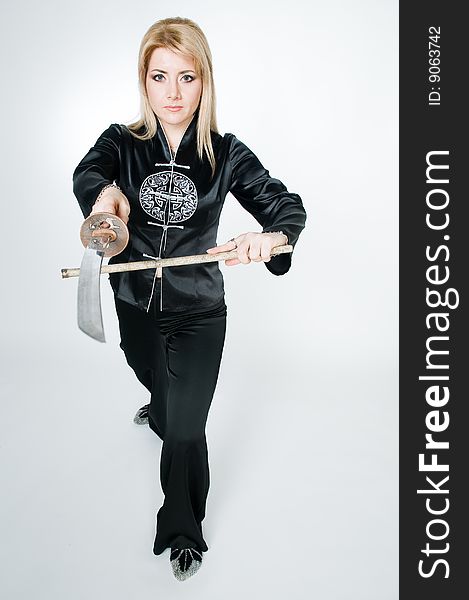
(178, 203)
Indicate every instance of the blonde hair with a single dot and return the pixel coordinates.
(185, 36)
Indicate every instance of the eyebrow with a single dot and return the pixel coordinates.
(180, 72)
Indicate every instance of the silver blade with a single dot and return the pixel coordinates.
(90, 318)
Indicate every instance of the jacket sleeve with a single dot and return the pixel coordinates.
(267, 199)
(99, 167)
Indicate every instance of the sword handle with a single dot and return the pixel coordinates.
(110, 234)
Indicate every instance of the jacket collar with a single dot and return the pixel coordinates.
(188, 137)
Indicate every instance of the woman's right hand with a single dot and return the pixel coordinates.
(113, 201)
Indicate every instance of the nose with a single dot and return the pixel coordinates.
(173, 90)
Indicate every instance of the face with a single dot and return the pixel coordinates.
(172, 81)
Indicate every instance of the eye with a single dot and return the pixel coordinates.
(158, 75)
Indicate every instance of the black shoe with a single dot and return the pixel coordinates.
(141, 417)
(185, 562)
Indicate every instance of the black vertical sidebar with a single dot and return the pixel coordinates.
(434, 269)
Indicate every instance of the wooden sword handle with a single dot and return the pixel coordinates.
(105, 233)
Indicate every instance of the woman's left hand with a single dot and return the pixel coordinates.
(251, 246)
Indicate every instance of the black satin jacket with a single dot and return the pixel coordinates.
(175, 208)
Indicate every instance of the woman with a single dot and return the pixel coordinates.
(167, 176)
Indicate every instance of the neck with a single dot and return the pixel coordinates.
(174, 139)
(174, 134)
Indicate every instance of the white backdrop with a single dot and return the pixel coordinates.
(302, 431)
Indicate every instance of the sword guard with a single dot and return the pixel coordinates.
(107, 229)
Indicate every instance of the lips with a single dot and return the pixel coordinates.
(174, 108)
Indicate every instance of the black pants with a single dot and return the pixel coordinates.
(176, 356)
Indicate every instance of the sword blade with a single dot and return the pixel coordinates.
(90, 318)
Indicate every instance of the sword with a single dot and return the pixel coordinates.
(105, 235)
(102, 234)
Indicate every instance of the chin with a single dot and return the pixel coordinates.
(173, 118)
